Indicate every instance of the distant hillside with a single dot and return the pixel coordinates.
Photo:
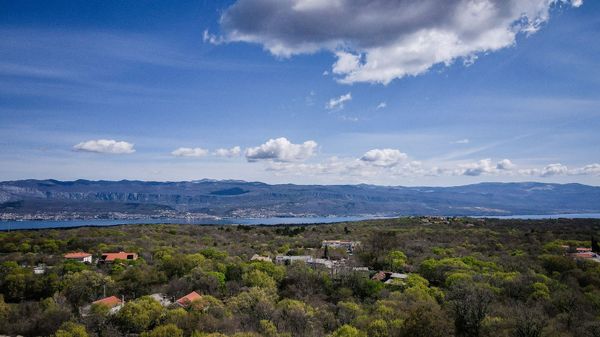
(232, 198)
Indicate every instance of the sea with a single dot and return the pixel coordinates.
(41, 224)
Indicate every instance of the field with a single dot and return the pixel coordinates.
(454, 277)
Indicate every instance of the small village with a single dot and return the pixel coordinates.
(114, 303)
(287, 281)
(331, 261)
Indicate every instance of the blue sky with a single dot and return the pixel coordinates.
(296, 91)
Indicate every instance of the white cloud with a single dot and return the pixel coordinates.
(105, 146)
(345, 63)
(189, 152)
(546, 171)
(338, 103)
(505, 165)
(380, 165)
(384, 157)
(229, 153)
(592, 169)
(211, 38)
(554, 169)
(381, 105)
(462, 141)
(281, 150)
(483, 166)
(381, 40)
(576, 3)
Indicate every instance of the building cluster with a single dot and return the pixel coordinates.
(309, 260)
(350, 246)
(114, 304)
(325, 262)
(88, 258)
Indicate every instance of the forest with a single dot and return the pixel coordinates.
(463, 277)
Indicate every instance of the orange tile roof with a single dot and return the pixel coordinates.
(188, 299)
(586, 255)
(117, 256)
(110, 302)
(77, 255)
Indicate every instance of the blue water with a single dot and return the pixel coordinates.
(37, 224)
(548, 216)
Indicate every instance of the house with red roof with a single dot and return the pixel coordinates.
(187, 300)
(113, 303)
(588, 256)
(112, 257)
(79, 256)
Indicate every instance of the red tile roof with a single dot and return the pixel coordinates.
(188, 299)
(118, 256)
(77, 255)
(110, 302)
(586, 255)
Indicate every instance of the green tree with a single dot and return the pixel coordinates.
(347, 331)
(4, 312)
(139, 315)
(168, 330)
(257, 278)
(347, 311)
(295, 317)
(378, 328)
(470, 303)
(86, 286)
(252, 306)
(70, 329)
(424, 319)
(138, 280)
(529, 321)
(267, 328)
(396, 260)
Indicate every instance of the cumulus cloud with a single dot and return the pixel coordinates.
(382, 164)
(547, 171)
(476, 169)
(554, 169)
(189, 152)
(592, 169)
(110, 146)
(281, 150)
(384, 157)
(338, 102)
(485, 166)
(381, 105)
(381, 40)
(505, 165)
(229, 153)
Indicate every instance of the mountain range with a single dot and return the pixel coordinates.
(233, 198)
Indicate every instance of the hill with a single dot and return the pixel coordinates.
(233, 198)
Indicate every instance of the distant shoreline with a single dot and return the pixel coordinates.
(14, 225)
